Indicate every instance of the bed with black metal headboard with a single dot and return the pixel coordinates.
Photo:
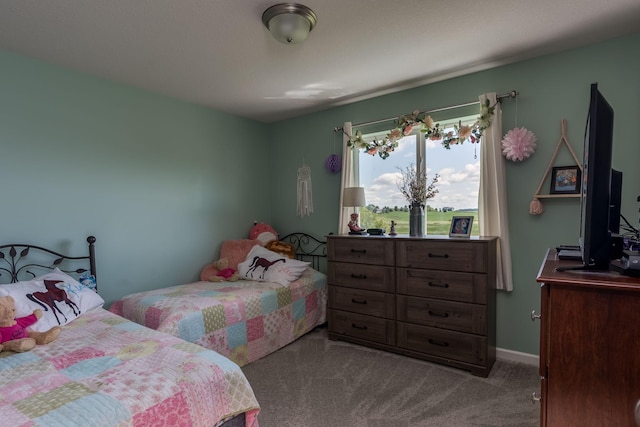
(247, 318)
(103, 369)
(307, 247)
(19, 261)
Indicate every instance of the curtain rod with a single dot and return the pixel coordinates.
(511, 94)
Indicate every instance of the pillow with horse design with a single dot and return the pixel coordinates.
(267, 266)
(60, 297)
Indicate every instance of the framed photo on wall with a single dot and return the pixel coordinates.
(565, 180)
(461, 226)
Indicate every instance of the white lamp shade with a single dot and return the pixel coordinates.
(353, 197)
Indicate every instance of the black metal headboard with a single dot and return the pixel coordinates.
(15, 264)
(307, 247)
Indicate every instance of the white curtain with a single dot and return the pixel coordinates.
(350, 176)
(492, 197)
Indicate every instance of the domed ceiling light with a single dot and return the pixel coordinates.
(289, 23)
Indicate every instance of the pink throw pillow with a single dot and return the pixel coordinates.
(236, 251)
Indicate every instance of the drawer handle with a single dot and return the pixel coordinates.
(438, 255)
(362, 328)
(359, 251)
(358, 276)
(438, 285)
(434, 313)
(355, 301)
(439, 343)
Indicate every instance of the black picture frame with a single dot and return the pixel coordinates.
(566, 180)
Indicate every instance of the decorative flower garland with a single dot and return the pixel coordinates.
(406, 124)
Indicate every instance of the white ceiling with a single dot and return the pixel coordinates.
(217, 52)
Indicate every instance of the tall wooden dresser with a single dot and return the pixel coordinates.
(431, 298)
(589, 347)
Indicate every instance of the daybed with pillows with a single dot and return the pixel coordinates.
(275, 300)
(103, 369)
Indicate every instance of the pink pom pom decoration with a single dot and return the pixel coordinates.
(518, 144)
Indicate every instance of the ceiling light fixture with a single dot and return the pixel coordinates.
(289, 23)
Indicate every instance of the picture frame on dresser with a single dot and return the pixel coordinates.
(461, 226)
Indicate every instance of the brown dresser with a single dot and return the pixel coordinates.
(431, 298)
(589, 347)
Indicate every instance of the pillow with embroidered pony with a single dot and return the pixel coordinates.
(60, 297)
(268, 266)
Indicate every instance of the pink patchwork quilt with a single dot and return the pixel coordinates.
(104, 370)
(243, 320)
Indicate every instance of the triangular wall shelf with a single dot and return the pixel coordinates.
(535, 207)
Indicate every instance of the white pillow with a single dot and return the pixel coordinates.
(65, 300)
(268, 266)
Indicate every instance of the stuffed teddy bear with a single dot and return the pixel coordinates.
(14, 335)
(219, 271)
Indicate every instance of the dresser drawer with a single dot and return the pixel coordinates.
(454, 286)
(449, 255)
(361, 250)
(440, 342)
(361, 326)
(372, 303)
(456, 316)
(372, 277)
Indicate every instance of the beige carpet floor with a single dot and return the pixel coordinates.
(315, 382)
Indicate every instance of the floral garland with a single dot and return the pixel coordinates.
(406, 124)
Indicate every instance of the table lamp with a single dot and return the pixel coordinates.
(354, 197)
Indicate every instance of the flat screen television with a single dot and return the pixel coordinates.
(595, 236)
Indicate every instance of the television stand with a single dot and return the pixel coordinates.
(589, 365)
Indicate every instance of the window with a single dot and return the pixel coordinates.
(458, 184)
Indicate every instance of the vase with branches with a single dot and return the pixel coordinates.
(413, 186)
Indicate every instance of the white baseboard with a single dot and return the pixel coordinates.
(517, 356)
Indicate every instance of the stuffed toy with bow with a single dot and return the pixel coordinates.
(219, 271)
(14, 335)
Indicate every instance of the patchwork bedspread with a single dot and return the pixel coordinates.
(243, 320)
(104, 370)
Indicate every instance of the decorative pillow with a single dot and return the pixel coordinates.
(60, 297)
(267, 266)
(236, 250)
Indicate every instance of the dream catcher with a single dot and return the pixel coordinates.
(305, 198)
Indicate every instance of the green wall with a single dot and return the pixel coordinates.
(159, 182)
(551, 88)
